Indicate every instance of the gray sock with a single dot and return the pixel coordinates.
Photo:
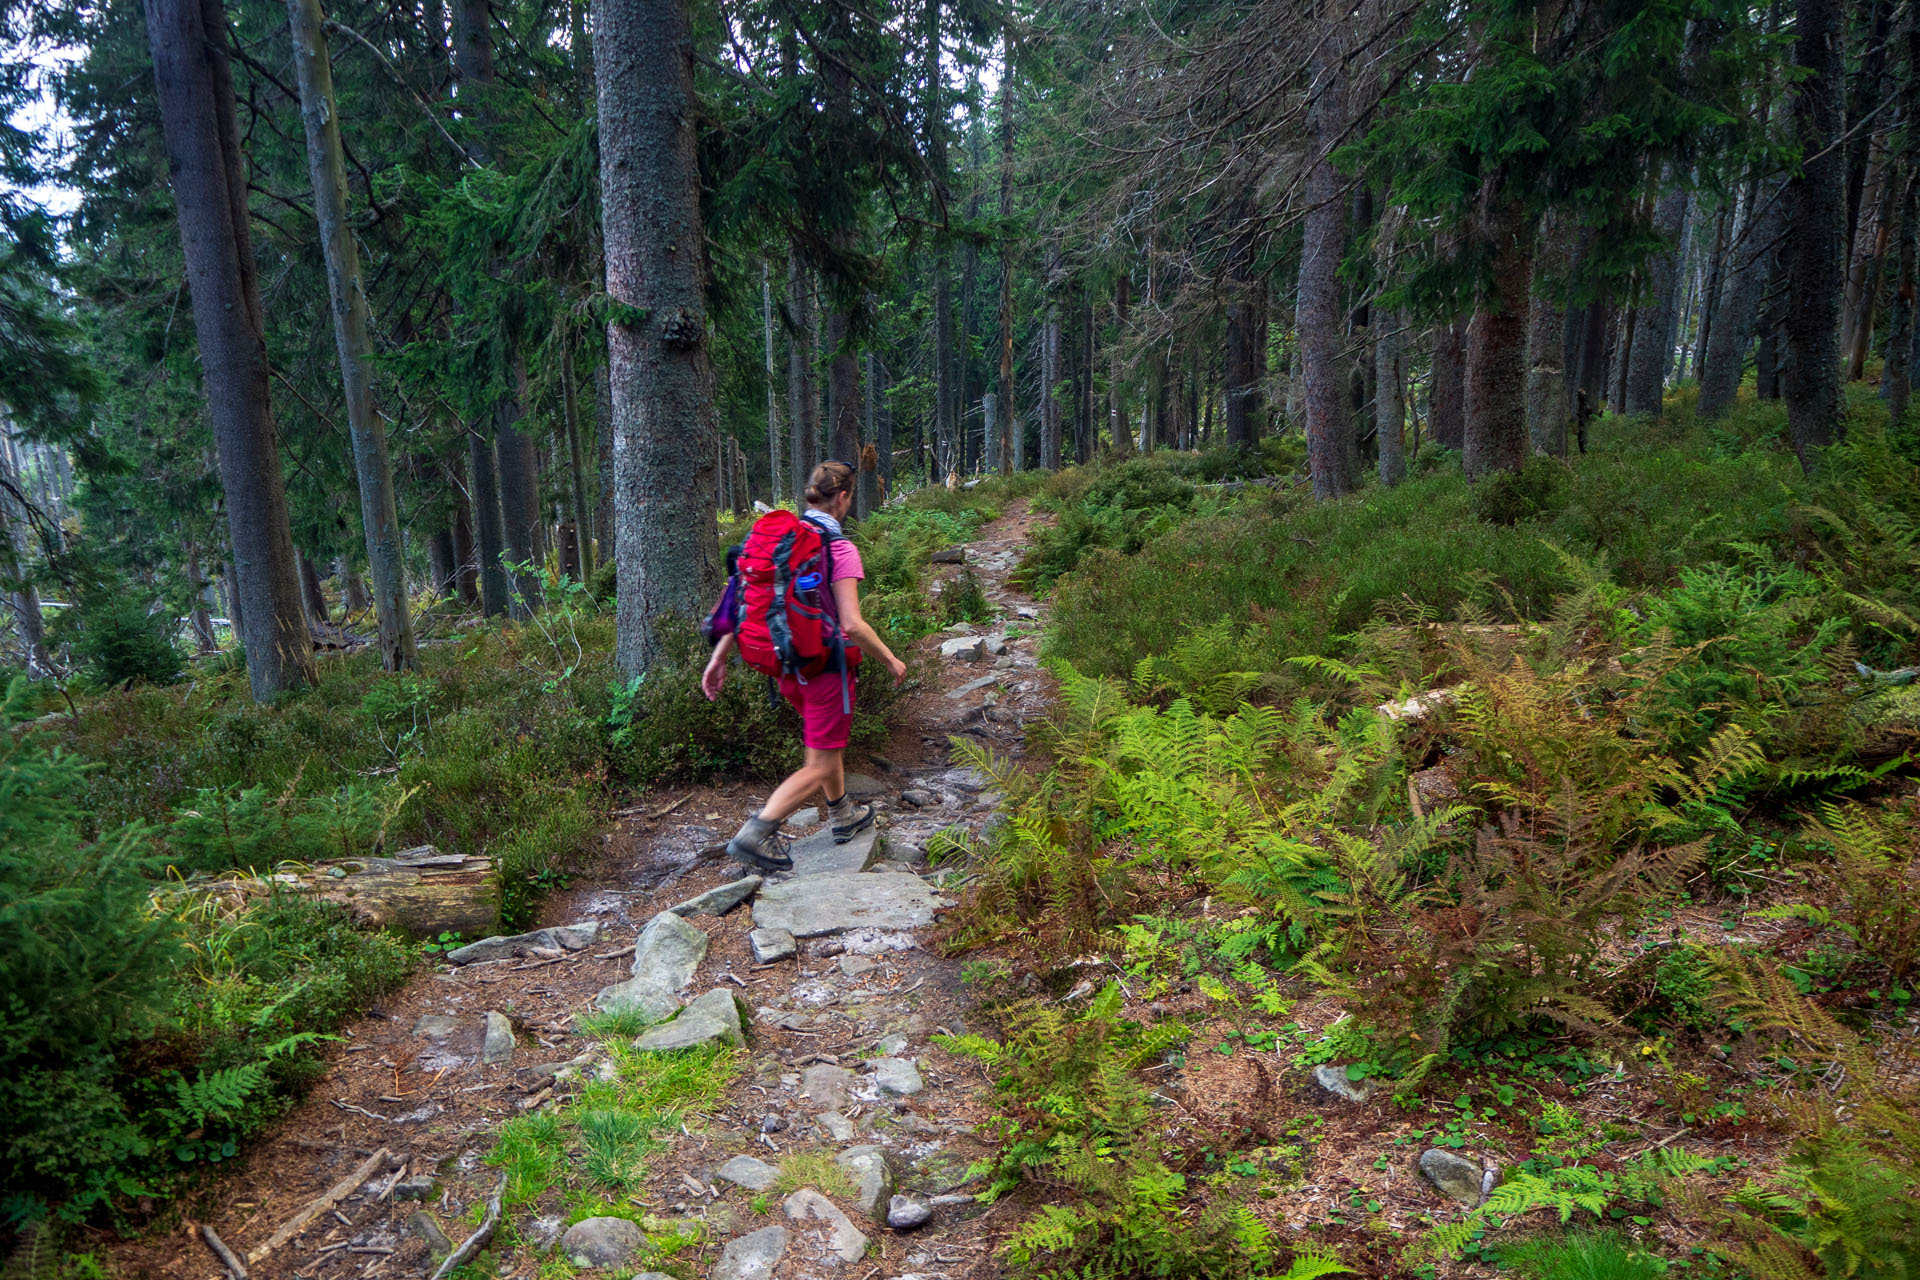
(756, 829)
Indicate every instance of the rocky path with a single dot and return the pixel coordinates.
(842, 1141)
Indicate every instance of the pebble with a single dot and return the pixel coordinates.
(827, 1086)
(904, 1213)
(854, 966)
(872, 1178)
(498, 1045)
(773, 1122)
(919, 797)
(415, 1188)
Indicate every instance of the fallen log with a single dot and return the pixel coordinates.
(420, 892)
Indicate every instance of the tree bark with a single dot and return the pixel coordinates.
(1496, 403)
(519, 464)
(1750, 258)
(1816, 211)
(1652, 351)
(802, 397)
(1009, 444)
(946, 395)
(773, 396)
(1896, 382)
(1390, 403)
(1547, 339)
(1116, 374)
(663, 415)
(1447, 401)
(1321, 324)
(1050, 372)
(379, 517)
(195, 93)
(843, 389)
(1245, 358)
(443, 567)
(1863, 309)
(576, 460)
(199, 620)
(24, 597)
(312, 593)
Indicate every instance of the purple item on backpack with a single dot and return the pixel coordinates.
(727, 611)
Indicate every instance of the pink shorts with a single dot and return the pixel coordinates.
(823, 725)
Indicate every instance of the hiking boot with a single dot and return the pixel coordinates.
(760, 845)
(849, 819)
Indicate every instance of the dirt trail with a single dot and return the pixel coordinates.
(421, 1078)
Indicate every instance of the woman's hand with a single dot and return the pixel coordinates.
(714, 678)
(897, 667)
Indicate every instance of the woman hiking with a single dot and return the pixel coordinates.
(823, 700)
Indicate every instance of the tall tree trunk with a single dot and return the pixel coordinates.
(802, 398)
(1009, 446)
(1862, 231)
(1496, 408)
(443, 567)
(1245, 357)
(663, 415)
(1547, 339)
(867, 475)
(1652, 349)
(1390, 403)
(1116, 376)
(520, 492)
(773, 397)
(946, 395)
(1050, 373)
(883, 440)
(1086, 436)
(1321, 324)
(195, 85)
(466, 559)
(1880, 236)
(843, 389)
(199, 620)
(1816, 211)
(576, 459)
(312, 593)
(24, 597)
(1447, 400)
(1749, 260)
(606, 530)
(379, 518)
(489, 529)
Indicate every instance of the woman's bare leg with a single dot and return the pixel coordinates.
(824, 771)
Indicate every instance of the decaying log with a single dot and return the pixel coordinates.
(420, 892)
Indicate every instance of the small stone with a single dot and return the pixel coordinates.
(541, 1232)
(1334, 1080)
(770, 945)
(808, 817)
(854, 966)
(847, 1241)
(498, 1046)
(601, 1242)
(996, 645)
(745, 1171)
(838, 1127)
(773, 1122)
(1026, 611)
(752, 1256)
(1451, 1175)
(905, 1213)
(712, 1019)
(919, 798)
(826, 1085)
(415, 1188)
(891, 1046)
(872, 1179)
(436, 1026)
(963, 649)
(973, 686)
(949, 555)
(421, 1223)
(897, 1076)
(719, 900)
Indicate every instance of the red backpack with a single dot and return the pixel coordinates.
(783, 614)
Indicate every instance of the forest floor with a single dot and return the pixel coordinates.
(411, 1079)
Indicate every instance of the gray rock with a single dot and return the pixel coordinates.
(773, 1122)
(436, 1026)
(752, 1256)
(1026, 611)
(745, 1171)
(919, 797)
(1455, 1177)
(905, 1213)
(897, 1076)
(770, 945)
(498, 1046)
(1334, 1080)
(949, 555)
(826, 1085)
(854, 966)
(838, 1127)
(601, 1242)
(718, 900)
(807, 817)
(422, 1224)
(415, 1188)
(862, 786)
(973, 686)
(996, 645)
(714, 1018)
(812, 906)
(872, 1179)
(963, 649)
(665, 956)
(543, 1231)
(891, 1045)
(566, 937)
(817, 854)
(847, 1241)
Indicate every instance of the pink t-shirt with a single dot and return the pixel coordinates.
(846, 560)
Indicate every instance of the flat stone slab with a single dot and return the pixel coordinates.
(770, 945)
(846, 1241)
(745, 1171)
(436, 1026)
(826, 1086)
(665, 956)
(897, 1076)
(752, 1256)
(565, 937)
(712, 1019)
(817, 854)
(719, 900)
(813, 906)
(974, 686)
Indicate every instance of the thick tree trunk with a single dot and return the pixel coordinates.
(195, 85)
(576, 461)
(1547, 339)
(1878, 238)
(1050, 372)
(489, 529)
(802, 397)
(1118, 423)
(1390, 403)
(199, 620)
(1749, 258)
(1447, 401)
(774, 478)
(24, 597)
(466, 557)
(1321, 324)
(1086, 436)
(311, 592)
(520, 494)
(606, 530)
(1245, 358)
(883, 439)
(1896, 381)
(843, 390)
(1653, 345)
(663, 417)
(1496, 407)
(946, 395)
(442, 564)
(379, 518)
(353, 589)
(1810, 254)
